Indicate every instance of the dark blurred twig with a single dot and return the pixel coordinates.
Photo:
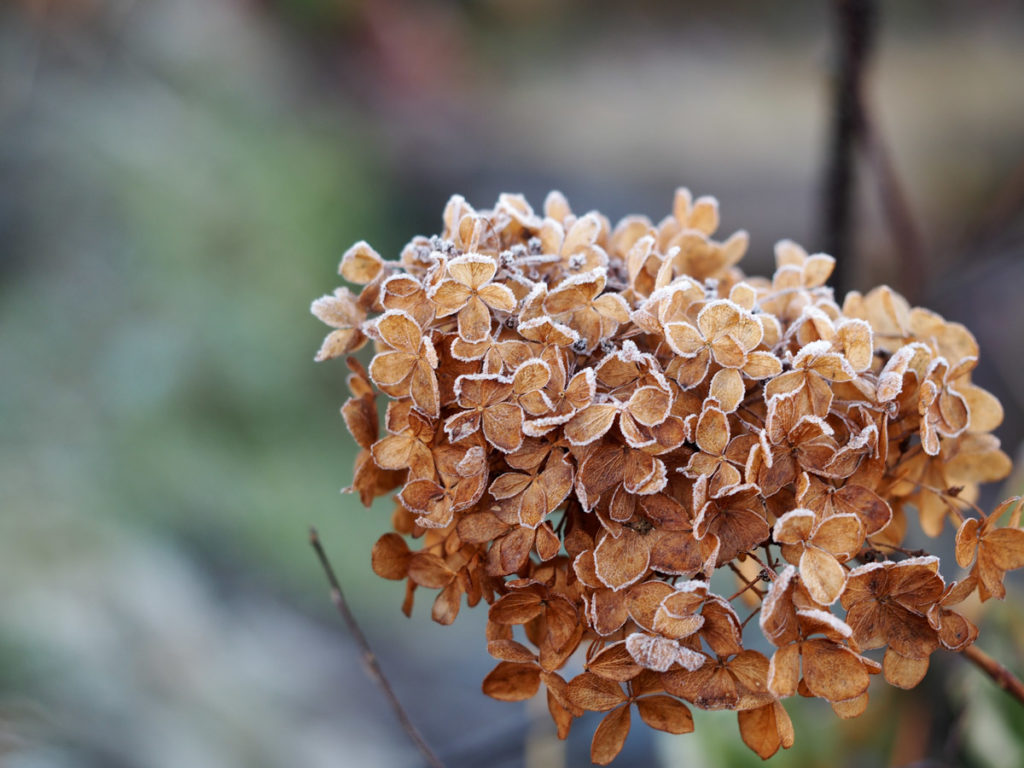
(1003, 677)
(369, 658)
(853, 130)
(855, 30)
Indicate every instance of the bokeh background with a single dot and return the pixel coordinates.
(178, 179)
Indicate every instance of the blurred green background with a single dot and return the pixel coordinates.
(178, 179)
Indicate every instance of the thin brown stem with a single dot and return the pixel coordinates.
(748, 584)
(369, 657)
(1002, 677)
(763, 564)
(752, 615)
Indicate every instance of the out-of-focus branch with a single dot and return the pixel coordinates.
(1002, 677)
(369, 657)
(855, 23)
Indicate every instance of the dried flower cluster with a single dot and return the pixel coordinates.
(587, 422)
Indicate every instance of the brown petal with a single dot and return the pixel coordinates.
(713, 431)
(449, 297)
(613, 306)
(391, 368)
(762, 365)
(728, 389)
(583, 232)
(390, 557)
(649, 405)
(955, 632)
(715, 690)
(509, 484)
(855, 337)
(361, 420)
(903, 671)
(547, 543)
(510, 650)
(717, 317)
(360, 264)
(472, 270)
(689, 371)
(421, 495)
(590, 424)
(644, 599)
(531, 376)
(784, 670)
(704, 215)
(393, 452)
(429, 570)
(778, 615)
(832, 671)
(822, 574)
(423, 389)
(479, 528)
(515, 549)
(446, 604)
(985, 409)
(503, 426)
(966, 542)
(573, 293)
(595, 694)
(608, 611)
(600, 471)
(516, 608)
(684, 339)
(498, 296)
(610, 736)
(766, 728)
(727, 351)
(854, 707)
(665, 714)
(340, 342)
(677, 627)
(400, 331)
(794, 527)
(873, 511)
(721, 628)
(474, 320)
(622, 561)
(644, 474)
(614, 663)
(560, 714)
(510, 681)
(842, 535)
(1004, 548)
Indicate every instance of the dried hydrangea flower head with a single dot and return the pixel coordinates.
(585, 423)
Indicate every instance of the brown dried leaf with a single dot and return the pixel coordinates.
(610, 736)
(511, 681)
(665, 713)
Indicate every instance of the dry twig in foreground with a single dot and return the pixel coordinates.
(1003, 677)
(369, 658)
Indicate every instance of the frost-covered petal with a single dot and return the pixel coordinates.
(472, 270)
(621, 561)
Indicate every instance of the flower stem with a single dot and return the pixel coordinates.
(369, 657)
(1002, 677)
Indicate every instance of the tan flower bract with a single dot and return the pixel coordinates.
(584, 421)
